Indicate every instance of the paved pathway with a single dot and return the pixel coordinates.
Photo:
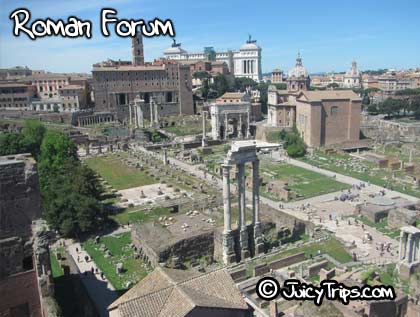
(100, 291)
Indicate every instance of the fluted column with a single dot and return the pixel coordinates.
(258, 241)
(226, 198)
(204, 138)
(130, 115)
(243, 234)
(227, 237)
(226, 127)
(151, 114)
(248, 125)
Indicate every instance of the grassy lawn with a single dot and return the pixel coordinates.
(367, 172)
(57, 271)
(118, 174)
(382, 226)
(303, 183)
(132, 216)
(121, 252)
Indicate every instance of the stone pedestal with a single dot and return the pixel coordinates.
(243, 241)
(228, 248)
(258, 240)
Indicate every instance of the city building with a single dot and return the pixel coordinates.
(16, 96)
(245, 62)
(277, 76)
(328, 117)
(178, 293)
(353, 78)
(167, 83)
(389, 83)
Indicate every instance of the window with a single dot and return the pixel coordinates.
(334, 111)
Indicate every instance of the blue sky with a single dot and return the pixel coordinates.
(329, 34)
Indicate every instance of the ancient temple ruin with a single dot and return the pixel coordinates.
(240, 154)
(409, 255)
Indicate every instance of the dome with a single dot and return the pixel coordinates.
(353, 71)
(298, 70)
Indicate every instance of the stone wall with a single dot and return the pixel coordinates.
(326, 275)
(287, 261)
(400, 217)
(190, 248)
(20, 200)
(314, 269)
(375, 127)
(25, 270)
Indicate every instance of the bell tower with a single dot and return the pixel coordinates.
(137, 49)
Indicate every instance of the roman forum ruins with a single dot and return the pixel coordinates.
(240, 154)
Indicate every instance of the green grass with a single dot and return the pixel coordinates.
(57, 271)
(133, 216)
(382, 227)
(187, 125)
(117, 173)
(121, 252)
(303, 183)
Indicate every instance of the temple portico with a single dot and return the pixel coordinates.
(409, 252)
(240, 154)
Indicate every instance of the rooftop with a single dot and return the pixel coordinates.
(320, 95)
(168, 292)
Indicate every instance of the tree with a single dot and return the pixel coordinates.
(333, 85)
(390, 107)
(11, 143)
(33, 134)
(56, 151)
(242, 83)
(220, 84)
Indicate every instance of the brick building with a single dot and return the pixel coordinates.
(328, 117)
(15, 96)
(167, 83)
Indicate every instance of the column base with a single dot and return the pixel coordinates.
(228, 248)
(243, 241)
(258, 240)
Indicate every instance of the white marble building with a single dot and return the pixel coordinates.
(245, 62)
(352, 78)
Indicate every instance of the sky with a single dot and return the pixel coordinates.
(328, 34)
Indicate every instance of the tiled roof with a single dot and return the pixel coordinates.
(167, 292)
(319, 95)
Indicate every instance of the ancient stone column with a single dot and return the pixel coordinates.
(403, 242)
(226, 127)
(228, 241)
(226, 197)
(165, 157)
(240, 135)
(258, 241)
(410, 248)
(248, 125)
(156, 115)
(130, 120)
(204, 138)
(136, 124)
(151, 114)
(243, 234)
